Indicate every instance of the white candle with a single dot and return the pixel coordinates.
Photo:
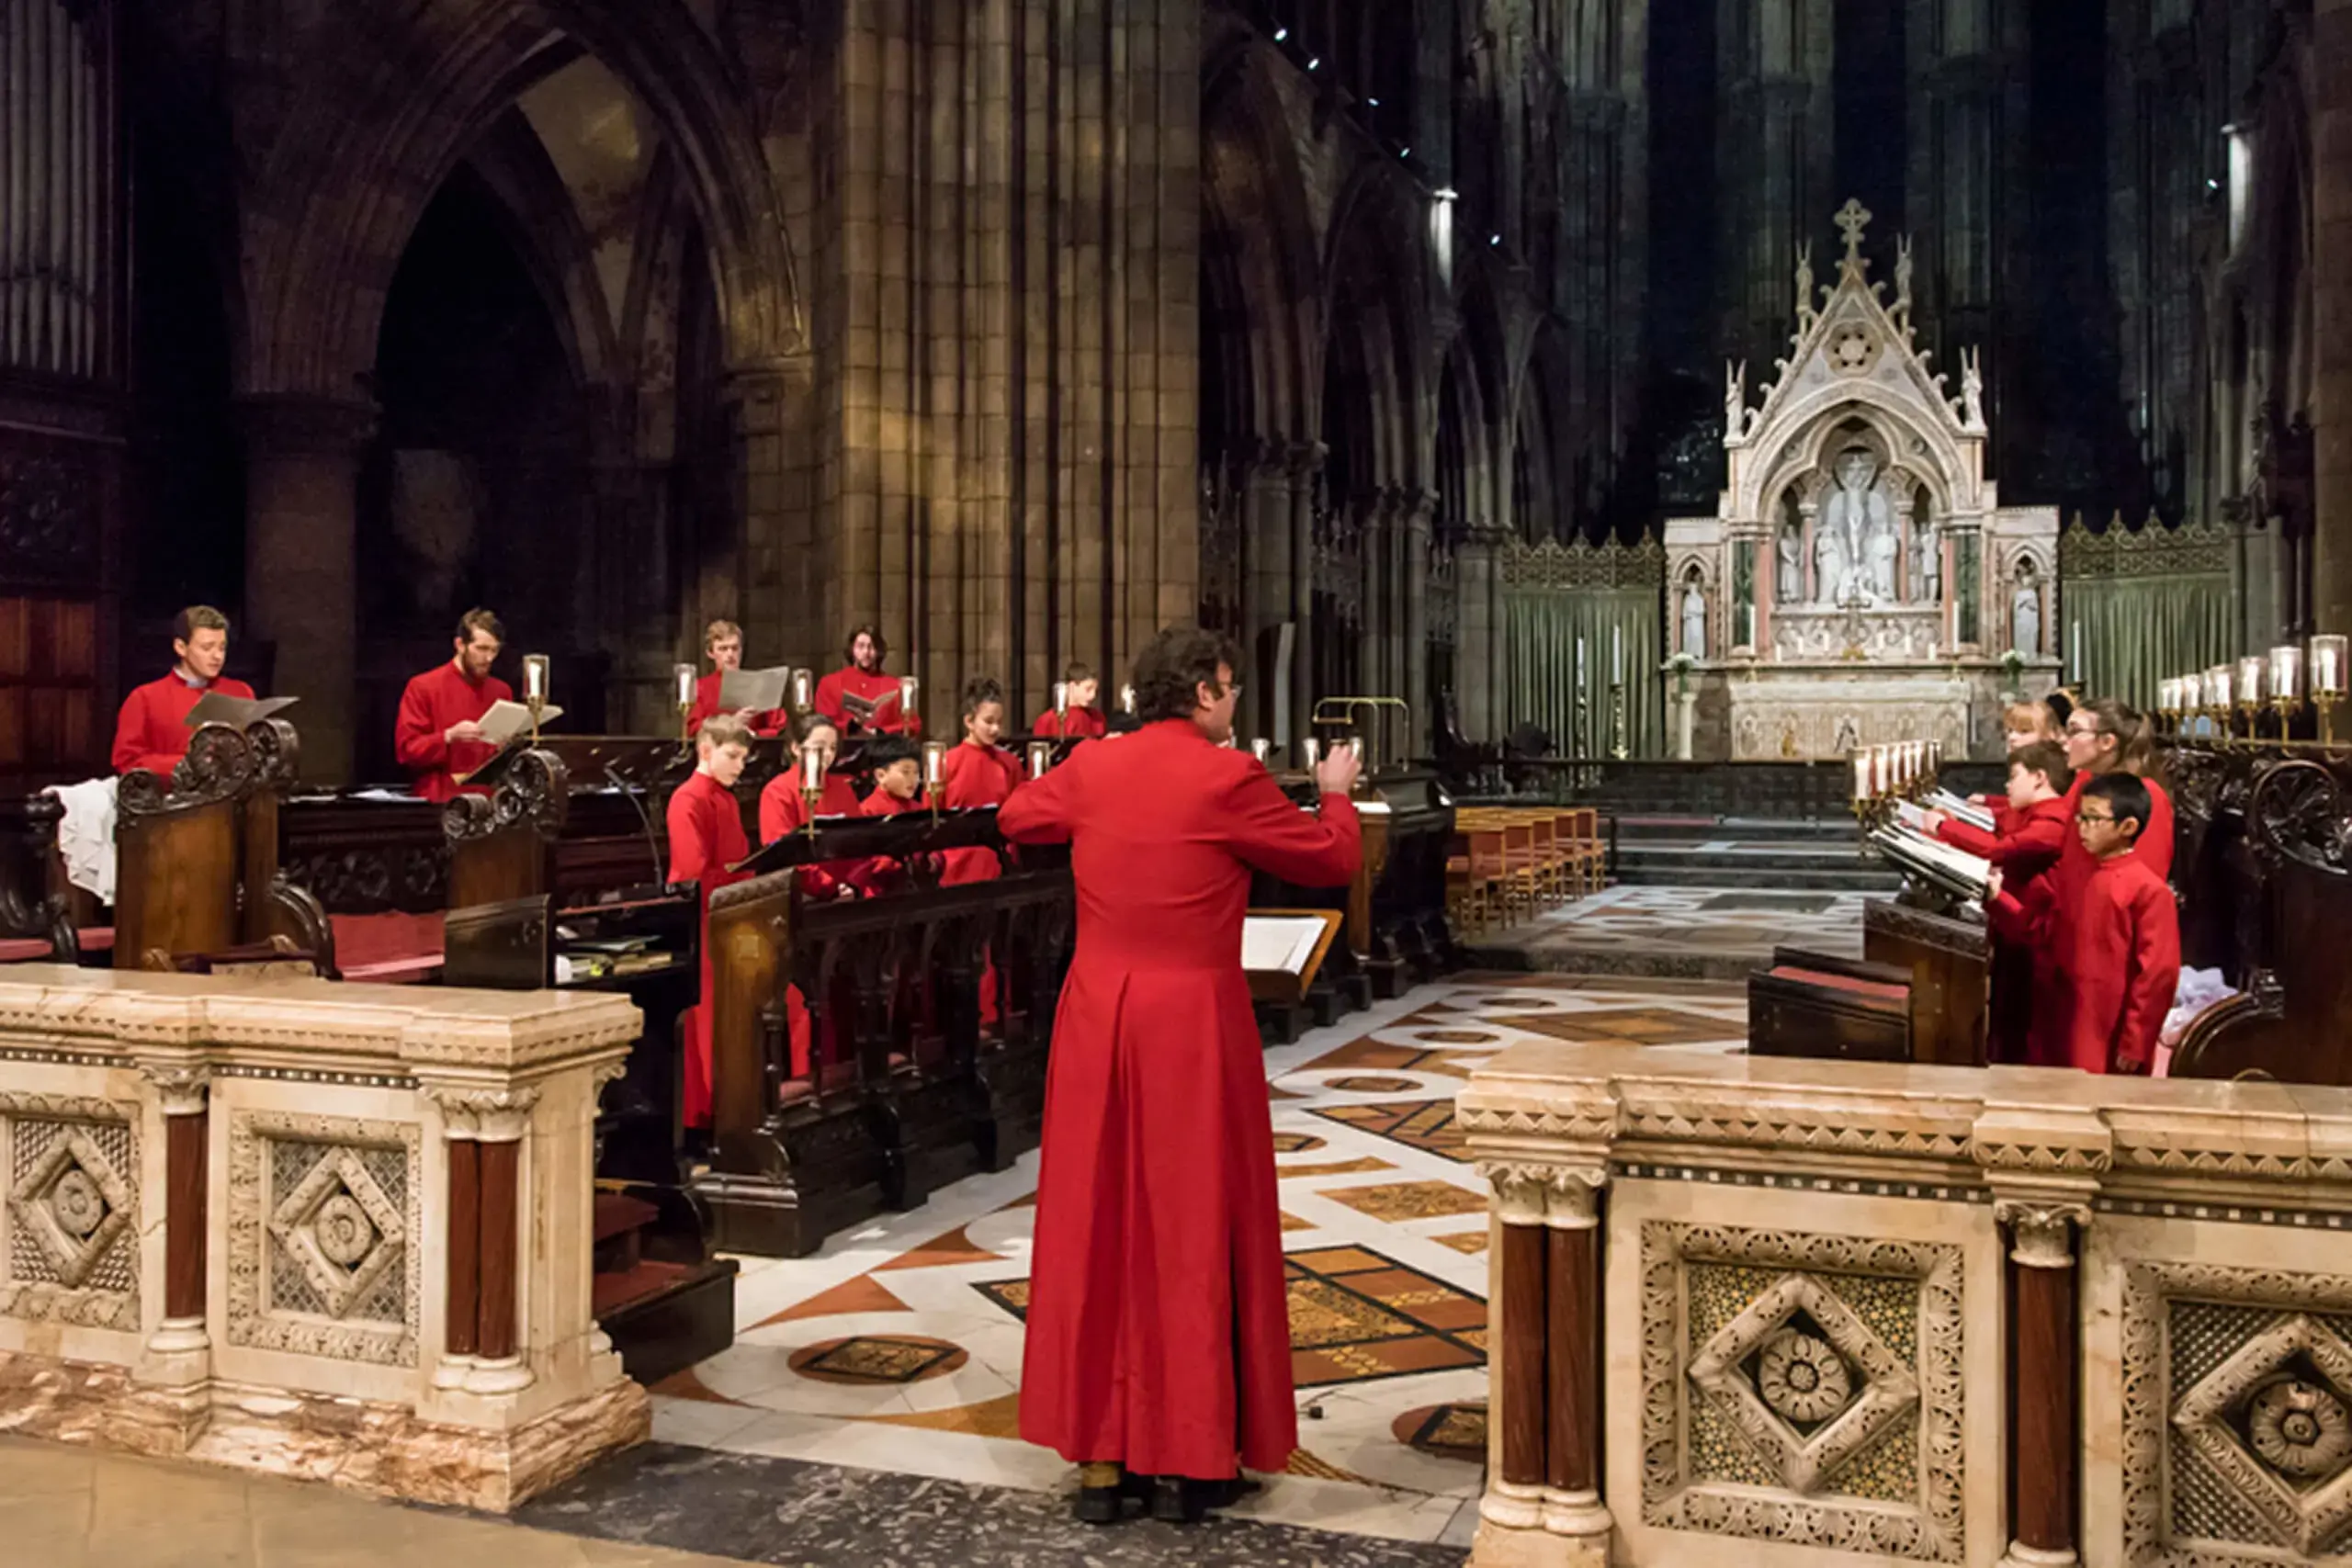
(1580, 663)
(2285, 673)
(684, 681)
(1041, 758)
(2077, 640)
(1061, 698)
(1312, 751)
(1127, 699)
(1616, 656)
(910, 688)
(1862, 775)
(802, 682)
(2192, 693)
(2250, 680)
(535, 677)
(934, 762)
(812, 770)
(2327, 666)
(2217, 686)
(1258, 748)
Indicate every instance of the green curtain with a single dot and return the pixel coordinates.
(1541, 625)
(2135, 631)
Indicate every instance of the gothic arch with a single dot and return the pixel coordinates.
(1260, 251)
(386, 112)
(1376, 270)
(542, 222)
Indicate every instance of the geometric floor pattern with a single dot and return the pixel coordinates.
(1685, 930)
(898, 1346)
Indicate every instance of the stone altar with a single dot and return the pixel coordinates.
(1861, 581)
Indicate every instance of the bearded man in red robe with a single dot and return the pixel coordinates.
(878, 709)
(1159, 1331)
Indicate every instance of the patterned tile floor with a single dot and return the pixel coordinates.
(898, 1346)
(1711, 933)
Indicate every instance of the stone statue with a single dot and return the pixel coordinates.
(1832, 555)
(1788, 573)
(1806, 312)
(1860, 519)
(1928, 553)
(1735, 400)
(2025, 614)
(1694, 620)
(1972, 389)
(1903, 277)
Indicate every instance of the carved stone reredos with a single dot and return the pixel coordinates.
(1855, 367)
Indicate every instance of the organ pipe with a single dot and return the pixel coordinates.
(56, 191)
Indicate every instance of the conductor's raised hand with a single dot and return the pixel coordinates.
(1338, 771)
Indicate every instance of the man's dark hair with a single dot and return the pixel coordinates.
(884, 750)
(198, 618)
(865, 628)
(1173, 665)
(478, 620)
(2126, 794)
(980, 689)
(2048, 759)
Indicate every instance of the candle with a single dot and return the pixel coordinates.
(2327, 666)
(535, 677)
(803, 681)
(1061, 698)
(934, 763)
(1258, 748)
(2285, 673)
(682, 682)
(1127, 699)
(2217, 686)
(2167, 693)
(1579, 662)
(1312, 751)
(2076, 640)
(2192, 693)
(1862, 775)
(910, 688)
(1041, 758)
(812, 771)
(2250, 680)
(1616, 656)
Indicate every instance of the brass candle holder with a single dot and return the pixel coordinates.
(812, 784)
(2327, 676)
(537, 675)
(934, 772)
(682, 679)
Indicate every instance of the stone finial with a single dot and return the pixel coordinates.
(1851, 219)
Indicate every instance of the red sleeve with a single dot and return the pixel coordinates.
(229, 688)
(973, 778)
(691, 840)
(706, 700)
(780, 810)
(417, 740)
(2022, 922)
(130, 732)
(1960, 835)
(2032, 846)
(1270, 833)
(1049, 723)
(828, 701)
(1044, 810)
(2153, 980)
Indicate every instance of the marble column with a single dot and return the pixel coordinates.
(179, 1351)
(302, 541)
(483, 1131)
(2043, 1436)
(2331, 276)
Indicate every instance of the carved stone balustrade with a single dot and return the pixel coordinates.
(1779, 1312)
(329, 1231)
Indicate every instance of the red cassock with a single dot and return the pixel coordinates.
(2125, 964)
(1077, 723)
(706, 706)
(705, 838)
(2024, 845)
(974, 775)
(152, 731)
(2048, 919)
(433, 702)
(782, 811)
(1158, 1332)
(852, 682)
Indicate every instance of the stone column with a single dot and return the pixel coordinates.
(483, 1129)
(1420, 507)
(778, 590)
(2331, 277)
(301, 474)
(1306, 463)
(1375, 627)
(1478, 674)
(2043, 1430)
(179, 1349)
(1265, 582)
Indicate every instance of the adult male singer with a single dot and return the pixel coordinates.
(152, 731)
(439, 738)
(1159, 1336)
(863, 678)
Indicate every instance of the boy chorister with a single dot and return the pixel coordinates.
(977, 773)
(2031, 835)
(1077, 718)
(2122, 966)
(705, 838)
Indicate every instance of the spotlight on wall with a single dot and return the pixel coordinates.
(1494, 239)
(1313, 61)
(1280, 34)
(1403, 152)
(1373, 102)
(1446, 193)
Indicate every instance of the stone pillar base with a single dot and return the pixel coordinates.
(1497, 1545)
(383, 1450)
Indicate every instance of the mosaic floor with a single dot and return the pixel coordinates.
(898, 1347)
(1697, 933)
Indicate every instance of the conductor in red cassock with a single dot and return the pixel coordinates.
(438, 735)
(1159, 1333)
(152, 731)
(877, 710)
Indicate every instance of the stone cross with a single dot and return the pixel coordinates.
(1851, 219)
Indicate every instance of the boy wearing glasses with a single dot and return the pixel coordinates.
(2122, 956)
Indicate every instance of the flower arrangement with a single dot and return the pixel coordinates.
(1681, 664)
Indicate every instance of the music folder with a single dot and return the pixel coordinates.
(761, 691)
(219, 707)
(1281, 951)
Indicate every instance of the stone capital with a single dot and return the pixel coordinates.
(488, 1113)
(298, 424)
(184, 1088)
(2042, 1233)
(1535, 1192)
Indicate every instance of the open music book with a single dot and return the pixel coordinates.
(505, 720)
(1955, 871)
(1952, 805)
(1282, 949)
(219, 707)
(762, 690)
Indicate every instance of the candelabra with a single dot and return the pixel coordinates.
(2286, 687)
(2327, 673)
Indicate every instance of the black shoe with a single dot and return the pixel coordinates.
(1106, 1503)
(1176, 1501)
(1233, 1489)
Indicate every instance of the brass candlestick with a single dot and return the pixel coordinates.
(934, 772)
(681, 679)
(537, 675)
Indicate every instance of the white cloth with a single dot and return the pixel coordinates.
(85, 839)
(2199, 989)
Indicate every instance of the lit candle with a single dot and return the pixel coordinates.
(812, 771)
(2250, 680)
(934, 763)
(2327, 666)
(1258, 748)
(684, 683)
(535, 677)
(2285, 673)
(2192, 693)
(2076, 640)
(1616, 656)
(1862, 775)
(803, 681)
(1579, 662)
(1312, 751)
(1127, 699)
(910, 688)
(2217, 685)
(1061, 699)
(1041, 758)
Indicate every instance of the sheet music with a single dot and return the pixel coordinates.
(505, 720)
(1280, 944)
(762, 690)
(1952, 805)
(1955, 870)
(219, 707)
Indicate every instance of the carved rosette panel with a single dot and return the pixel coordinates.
(2237, 1415)
(325, 1225)
(1804, 1389)
(73, 1200)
